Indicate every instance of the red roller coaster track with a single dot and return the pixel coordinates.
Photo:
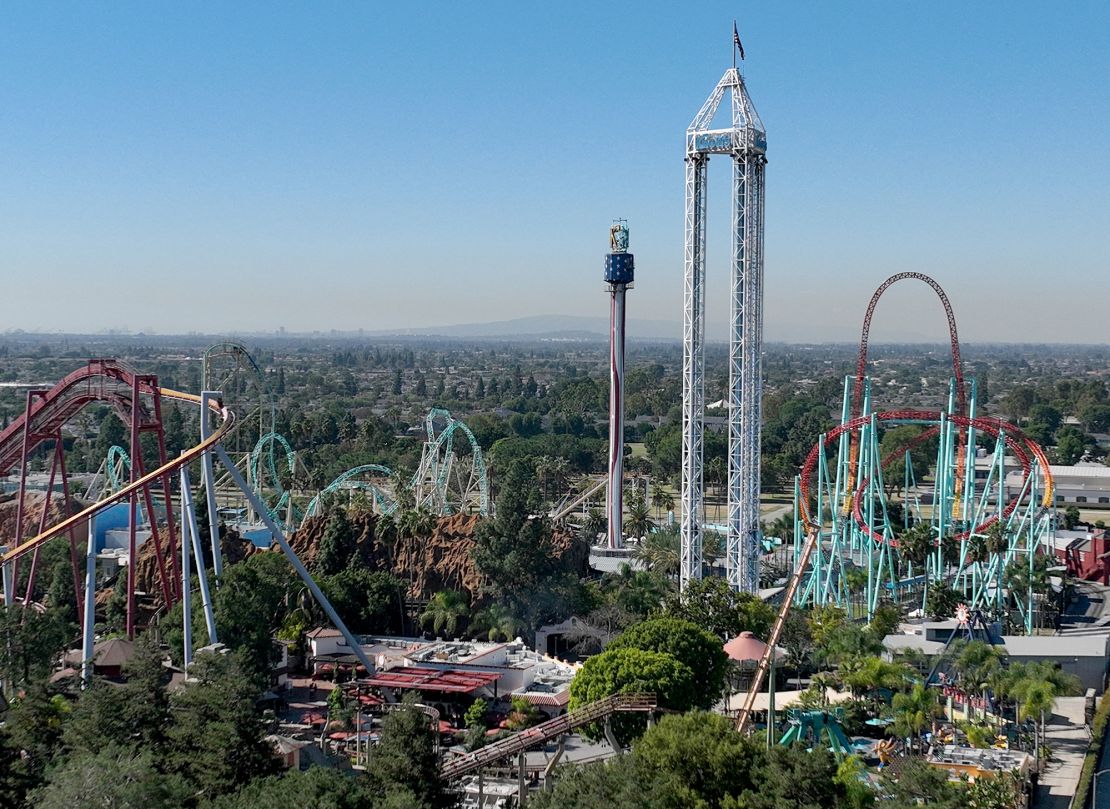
(137, 399)
(953, 336)
(1024, 449)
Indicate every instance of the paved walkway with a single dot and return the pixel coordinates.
(1067, 737)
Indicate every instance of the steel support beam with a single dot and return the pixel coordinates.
(743, 140)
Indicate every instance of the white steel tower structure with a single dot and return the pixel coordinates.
(744, 139)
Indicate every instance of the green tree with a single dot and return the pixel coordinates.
(405, 760)
(661, 500)
(942, 601)
(33, 725)
(621, 783)
(639, 522)
(713, 605)
(16, 776)
(338, 546)
(113, 776)
(916, 543)
(523, 714)
(475, 716)
(867, 674)
(30, 642)
(885, 621)
(516, 555)
(315, 788)
(445, 609)
(922, 455)
(1071, 444)
(914, 712)
(978, 665)
(916, 783)
(495, 622)
(595, 524)
(216, 741)
(366, 601)
(637, 592)
(1001, 792)
(633, 671)
(795, 777)
(132, 714)
(702, 750)
(660, 552)
(697, 649)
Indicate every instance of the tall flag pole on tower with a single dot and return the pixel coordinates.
(736, 44)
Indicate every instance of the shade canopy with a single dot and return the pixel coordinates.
(746, 646)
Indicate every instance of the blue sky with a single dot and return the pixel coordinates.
(219, 167)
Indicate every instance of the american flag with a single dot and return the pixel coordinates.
(736, 40)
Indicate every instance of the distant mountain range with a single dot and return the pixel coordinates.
(578, 327)
(544, 327)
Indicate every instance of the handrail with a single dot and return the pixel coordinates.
(545, 731)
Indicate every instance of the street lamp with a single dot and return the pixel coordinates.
(1094, 787)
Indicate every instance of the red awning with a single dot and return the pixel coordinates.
(444, 681)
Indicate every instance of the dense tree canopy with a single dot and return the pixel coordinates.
(697, 649)
(634, 671)
(714, 606)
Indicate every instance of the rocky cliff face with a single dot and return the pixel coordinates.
(32, 511)
(441, 561)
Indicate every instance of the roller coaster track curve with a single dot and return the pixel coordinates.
(110, 382)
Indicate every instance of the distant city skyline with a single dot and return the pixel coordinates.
(243, 168)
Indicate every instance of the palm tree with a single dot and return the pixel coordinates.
(1035, 686)
(444, 610)
(595, 523)
(559, 472)
(914, 711)
(977, 665)
(978, 548)
(997, 538)
(495, 622)
(639, 522)
(659, 499)
(863, 675)
(1037, 698)
(417, 523)
(660, 552)
(638, 592)
(782, 527)
(917, 543)
(386, 531)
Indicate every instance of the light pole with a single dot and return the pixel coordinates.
(1094, 787)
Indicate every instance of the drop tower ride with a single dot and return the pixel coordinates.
(743, 139)
(619, 275)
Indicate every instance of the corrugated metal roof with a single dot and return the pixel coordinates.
(445, 681)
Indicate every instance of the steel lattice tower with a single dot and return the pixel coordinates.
(745, 141)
